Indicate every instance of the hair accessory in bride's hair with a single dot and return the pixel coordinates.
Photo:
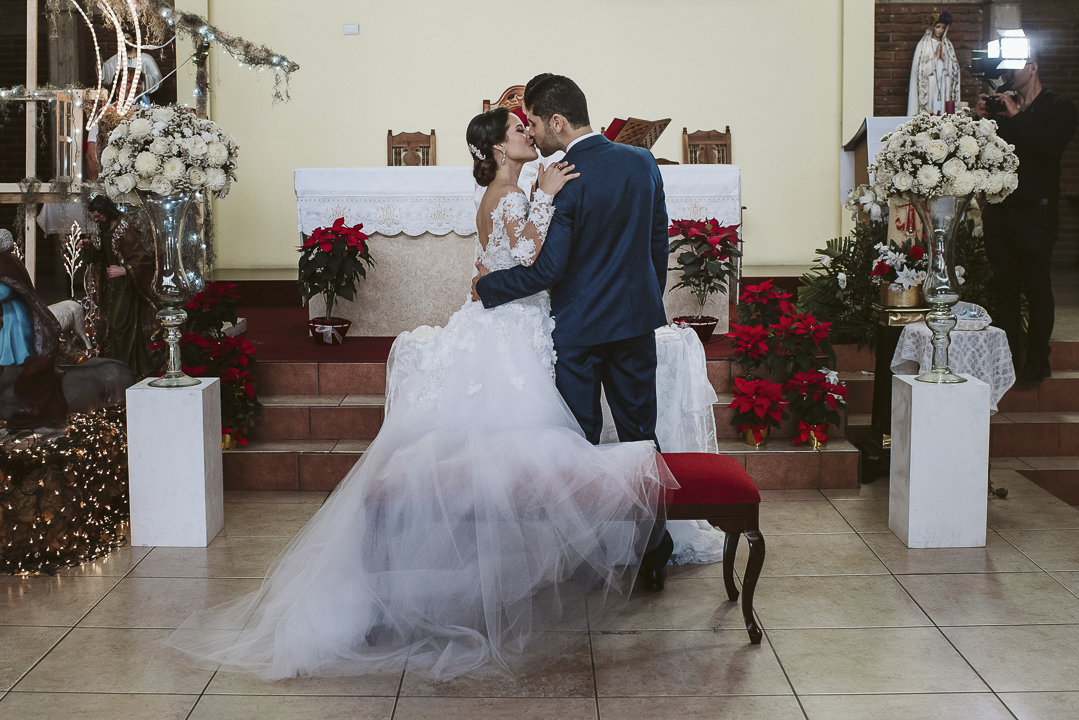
(476, 152)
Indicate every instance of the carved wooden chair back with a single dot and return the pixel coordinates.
(706, 147)
(513, 97)
(410, 148)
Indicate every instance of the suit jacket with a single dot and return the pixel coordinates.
(605, 256)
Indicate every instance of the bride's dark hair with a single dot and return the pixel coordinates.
(484, 132)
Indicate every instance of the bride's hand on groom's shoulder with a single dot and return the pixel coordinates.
(555, 176)
(480, 272)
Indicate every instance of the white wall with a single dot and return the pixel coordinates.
(788, 76)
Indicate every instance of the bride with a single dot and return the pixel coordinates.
(480, 518)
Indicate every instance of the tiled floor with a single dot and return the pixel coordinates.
(856, 626)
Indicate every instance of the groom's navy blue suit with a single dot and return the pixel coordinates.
(605, 262)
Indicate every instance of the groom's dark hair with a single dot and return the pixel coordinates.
(548, 95)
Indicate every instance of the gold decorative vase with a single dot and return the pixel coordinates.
(911, 297)
(752, 441)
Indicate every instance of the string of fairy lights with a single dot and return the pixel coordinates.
(63, 502)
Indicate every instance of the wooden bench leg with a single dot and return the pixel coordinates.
(749, 582)
(730, 547)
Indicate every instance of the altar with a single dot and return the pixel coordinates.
(422, 227)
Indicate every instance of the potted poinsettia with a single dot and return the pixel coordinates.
(332, 259)
(758, 406)
(815, 397)
(706, 253)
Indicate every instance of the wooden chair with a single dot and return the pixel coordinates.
(718, 489)
(410, 149)
(706, 147)
(512, 98)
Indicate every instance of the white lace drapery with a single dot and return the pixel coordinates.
(981, 353)
(441, 200)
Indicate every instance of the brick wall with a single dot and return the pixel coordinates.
(1054, 25)
(899, 27)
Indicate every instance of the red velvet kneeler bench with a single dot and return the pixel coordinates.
(718, 489)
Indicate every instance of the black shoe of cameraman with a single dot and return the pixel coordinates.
(1034, 371)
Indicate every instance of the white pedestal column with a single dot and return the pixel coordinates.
(174, 464)
(940, 463)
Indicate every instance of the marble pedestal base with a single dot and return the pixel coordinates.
(174, 464)
(940, 463)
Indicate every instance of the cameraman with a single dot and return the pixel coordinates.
(1020, 231)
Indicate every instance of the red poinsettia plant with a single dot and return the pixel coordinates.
(332, 259)
(815, 397)
(758, 404)
(212, 308)
(706, 253)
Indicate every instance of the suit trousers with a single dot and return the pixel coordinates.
(1019, 243)
(626, 371)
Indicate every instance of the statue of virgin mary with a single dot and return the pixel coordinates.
(934, 76)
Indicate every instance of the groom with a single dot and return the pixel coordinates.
(605, 263)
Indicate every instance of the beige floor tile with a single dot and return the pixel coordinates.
(266, 520)
(975, 706)
(1063, 462)
(1032, 514)
(790, 495)
(676, 662)
(351, 446)
(276, 497)
(1022, 658)
(94, 706)
(835, 602)
(21, 648)
(411, 708)
(115, 661)
(240, 557)
(1051, 549)
(783, 518)
(687, 603)
(993, 599)
(379, 684)
(565, 673)
(1040, 706)
(1069, 580)
(998, 555)
(866, 516)
(1007, 463)
(291, 707)
(140, 602)
(50, 600)
(872, 660)
(115, 564)
(840, 554)
(868, 491)
(701, 708)
(1019, 487)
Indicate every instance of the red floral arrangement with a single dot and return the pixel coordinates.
(815, 397)
(213, 307)
(332, 259)
(706, 253)
(758, 404)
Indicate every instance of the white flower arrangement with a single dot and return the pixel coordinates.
(903, 268)
(863, 199)
(167, 150)
(934, 155)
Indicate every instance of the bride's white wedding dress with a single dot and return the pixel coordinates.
(479, 517)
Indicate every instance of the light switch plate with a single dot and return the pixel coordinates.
(352, 29)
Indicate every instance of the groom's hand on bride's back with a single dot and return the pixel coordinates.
(480, 272)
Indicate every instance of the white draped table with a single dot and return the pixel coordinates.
(422, 223)
(981, 353)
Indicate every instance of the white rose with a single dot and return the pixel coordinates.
(968, 147)
(159, 127)
(217, 153)
(173, 169)
(948, 131)
(953, 168)
(160, 146)
(146, 163)
(995, 183)
(140, 126)
(196, 178)
(1011, 181)
(198, 147)
(126, 157)
(144, 183)
(842, 278)
(937, 150)
(216, 179)
(162, 114)
(991, 154)
(118, 132)
(929, 176)
(126, 183)
(987, 128)
(903, 181)
(921, 139)
(109, 156)
(161, 186)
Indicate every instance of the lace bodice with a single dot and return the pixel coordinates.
(514, 226)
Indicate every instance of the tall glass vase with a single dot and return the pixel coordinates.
(940, 222)
(172, 286)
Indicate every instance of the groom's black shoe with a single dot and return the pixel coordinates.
(652, 580)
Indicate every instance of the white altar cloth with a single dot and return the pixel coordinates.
(439, 200)
(981, 353)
